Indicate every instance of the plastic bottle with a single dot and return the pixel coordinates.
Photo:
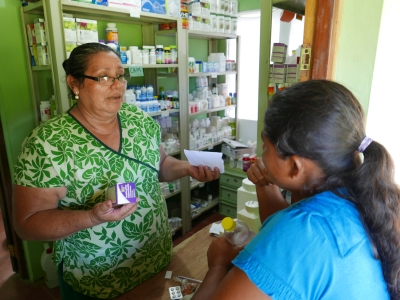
(159, 54)
(138, 93)
(112, 35)
(150, 91)
(44, 110)
(167, 55)
(130, 97)
(237, 232)
(174, 54)
(246, 162)
(233, 100)
(49, 268)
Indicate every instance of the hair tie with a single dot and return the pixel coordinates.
(364, 144)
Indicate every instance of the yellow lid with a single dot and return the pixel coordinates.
(228, 224)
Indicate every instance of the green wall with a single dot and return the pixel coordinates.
(249, 5)
(358, 39)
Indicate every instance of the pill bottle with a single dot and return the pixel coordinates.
(246, 161)
(159, 54)
(152, 57)
(174, 54)
(150, 91)
(44, 110)
(167, 55)
(112, 33)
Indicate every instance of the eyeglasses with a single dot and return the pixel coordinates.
(107, 80)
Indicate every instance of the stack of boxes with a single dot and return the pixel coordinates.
(37, 42)
(214, 15)
(281, 73)
(79, 31)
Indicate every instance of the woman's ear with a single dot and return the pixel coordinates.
(296, 165)
(72, 82)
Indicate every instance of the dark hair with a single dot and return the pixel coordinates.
(77, 63)
(323, 121)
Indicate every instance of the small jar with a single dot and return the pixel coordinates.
(246, 161)
(44, 110)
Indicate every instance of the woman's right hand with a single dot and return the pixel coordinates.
(105, 212)
(257, 173)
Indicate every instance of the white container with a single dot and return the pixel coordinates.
(49, 268)
(136, 56)
(152, 57)
(44, 110)
(247, 192)
(145, 57)
(250, 215)
(130, 97)
(213, 22)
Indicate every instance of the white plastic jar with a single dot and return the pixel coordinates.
(44, 110)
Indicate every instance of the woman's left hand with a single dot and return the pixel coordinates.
(221, 253)
(203, 173)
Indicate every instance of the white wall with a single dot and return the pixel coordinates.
(384, 105)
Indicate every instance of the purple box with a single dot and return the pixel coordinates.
(122, 193)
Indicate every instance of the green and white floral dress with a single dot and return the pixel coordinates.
(112, 258)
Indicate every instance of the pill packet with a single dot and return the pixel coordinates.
(188, 285)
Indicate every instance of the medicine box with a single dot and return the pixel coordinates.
(154, 6)
(43, 55)
(200, 9)
(235, 153)
(122, 193)
(86, 31)
(40, 31)
(69, 25)
(100, 2)
(30, 33)
(173, 8)
(127, 4)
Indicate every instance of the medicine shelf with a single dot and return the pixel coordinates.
(210, 35)
(202, 210)
(166, 196)
(212, 74)
(106, 13)
(210, 146)
(163, 112)
(153, 66)
(212, 110)
(41, 68)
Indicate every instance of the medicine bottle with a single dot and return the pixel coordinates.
(112, 34)
(237, 232)
(44, 110)
(174, 54)
(167, 55)
(246, 161)
(159, 54)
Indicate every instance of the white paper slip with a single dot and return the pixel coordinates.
(216, 229)
(209, 159)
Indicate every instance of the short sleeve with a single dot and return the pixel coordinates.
(278, 258)
(34, 167)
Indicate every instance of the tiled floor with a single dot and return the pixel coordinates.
(12, 287)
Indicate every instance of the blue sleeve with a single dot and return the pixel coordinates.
(277, 260)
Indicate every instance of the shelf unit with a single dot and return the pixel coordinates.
(52, 11)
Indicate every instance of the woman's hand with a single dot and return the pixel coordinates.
(105, 212)
(203, 173)
(257, 173)
(221, 253)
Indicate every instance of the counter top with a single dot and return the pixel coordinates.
(189, 259)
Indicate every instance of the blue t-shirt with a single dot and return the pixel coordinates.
(315, 249)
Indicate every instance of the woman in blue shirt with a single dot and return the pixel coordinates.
(339, 239)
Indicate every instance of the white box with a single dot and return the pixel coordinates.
(235, 153)
(173, 8)
(197, 23)
(69, 25)
(40, 31)
(30, 33)
(43, 55)
(86, 31)
(153, 6)
(69, 46)
(220, 23)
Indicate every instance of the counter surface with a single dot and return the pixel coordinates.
(189, 259)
